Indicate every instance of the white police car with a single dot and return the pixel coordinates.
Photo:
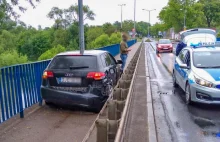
(197, 72)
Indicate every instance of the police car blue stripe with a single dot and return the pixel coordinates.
(215, 73)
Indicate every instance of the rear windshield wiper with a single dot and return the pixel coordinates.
(78, 67)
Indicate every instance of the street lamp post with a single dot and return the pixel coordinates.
(184, 15)
(149, 20)
(121, 5)
(81, 27)
(134, 15)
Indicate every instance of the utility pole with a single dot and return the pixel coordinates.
(81, 27)
(184, 15)
(134, 15)
(121, 5)
(149, 20)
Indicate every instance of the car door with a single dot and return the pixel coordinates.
(116, 68)
(107, 67)
(179, 72)
(112, 68)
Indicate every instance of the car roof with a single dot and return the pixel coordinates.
(86, 52)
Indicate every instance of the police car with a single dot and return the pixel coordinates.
(197, 72)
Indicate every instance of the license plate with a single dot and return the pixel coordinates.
(69, 80)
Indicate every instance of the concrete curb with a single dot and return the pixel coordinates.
(152, 135)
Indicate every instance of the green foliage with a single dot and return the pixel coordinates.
(35, 46)
(211, 9)
(92, 34)
(11, 58)
(52, 52)
(101, 41)
(115, 38)
(202, 13)
(108, 28)
(7, 41)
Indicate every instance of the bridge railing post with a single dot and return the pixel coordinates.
(19, 91)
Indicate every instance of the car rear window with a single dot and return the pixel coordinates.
(66, 62)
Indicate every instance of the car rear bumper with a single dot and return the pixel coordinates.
(87, 100)
(164, 49)
(205, 95)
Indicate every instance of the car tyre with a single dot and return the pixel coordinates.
(188, 95)
(48, 103)
(174, 81)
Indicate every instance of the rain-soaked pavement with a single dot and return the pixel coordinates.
(175, 121)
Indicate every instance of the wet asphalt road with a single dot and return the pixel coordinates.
(175, 121)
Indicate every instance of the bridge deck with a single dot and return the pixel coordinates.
(50, 123)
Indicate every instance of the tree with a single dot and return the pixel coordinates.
(11, 58)
(115, 38)
(7, 41)
(211, 9)
(128, 25)
(142, 27)
(173, 14)
(57, 15)
(9, 6)
(74, 14)
(101, 41)
(92, 34)
(52, 52)
(108, 28)
(61, 37)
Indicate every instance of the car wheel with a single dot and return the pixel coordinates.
(174, 80)
(188, 95)
(48, 103)
(171, 51)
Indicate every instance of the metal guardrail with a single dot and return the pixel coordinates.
(20, 88)
(20, 85)
(111, 127)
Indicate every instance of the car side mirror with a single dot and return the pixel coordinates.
(119, 62)
(184, 66)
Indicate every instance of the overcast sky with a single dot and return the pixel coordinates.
(105, 10)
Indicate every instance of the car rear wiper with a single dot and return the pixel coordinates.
(78, 67)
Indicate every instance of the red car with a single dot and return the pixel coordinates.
(164, 45)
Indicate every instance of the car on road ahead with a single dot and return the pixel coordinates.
(164, 45)
(197, 72)
(80, 80)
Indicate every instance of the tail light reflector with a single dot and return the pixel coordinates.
(96, 75)
(47, 74)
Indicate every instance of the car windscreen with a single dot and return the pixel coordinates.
(164, 41)
(206, 59)
(73, 62)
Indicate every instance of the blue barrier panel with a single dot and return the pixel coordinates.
(114, 49)
(20, 85)
(20, 88)
(218, 39)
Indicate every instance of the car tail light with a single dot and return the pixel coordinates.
(96, 75)
(47, 74)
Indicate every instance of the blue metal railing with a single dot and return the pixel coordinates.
(218, 39)
(114, 49)
(20, 85)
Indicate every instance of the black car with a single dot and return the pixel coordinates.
(82, 80)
